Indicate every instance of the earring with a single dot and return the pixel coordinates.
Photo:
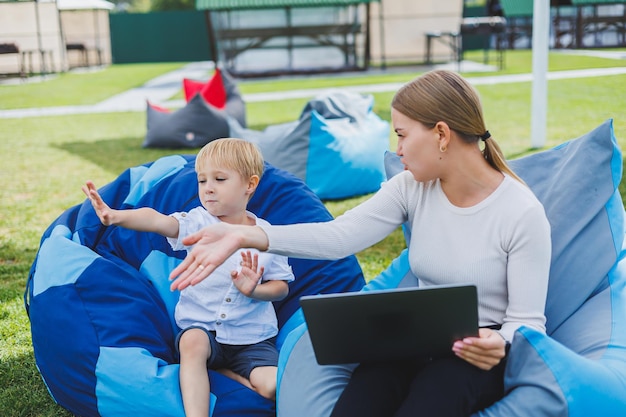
(442, 149)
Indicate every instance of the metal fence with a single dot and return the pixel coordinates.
(179, 36)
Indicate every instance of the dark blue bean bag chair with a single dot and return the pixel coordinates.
(100, 307)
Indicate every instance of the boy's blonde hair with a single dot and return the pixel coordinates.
(231, 153)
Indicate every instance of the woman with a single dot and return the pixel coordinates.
(471, 221)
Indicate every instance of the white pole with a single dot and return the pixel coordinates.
(42, 60)
(539, 99)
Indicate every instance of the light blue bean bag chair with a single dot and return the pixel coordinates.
(577, 369)
(100, 307)
(336, 146)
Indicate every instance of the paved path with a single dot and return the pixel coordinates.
(495, 79)
(160, 89)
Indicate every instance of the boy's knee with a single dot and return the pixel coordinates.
(267, 390)
(263, 380)
(194, 342)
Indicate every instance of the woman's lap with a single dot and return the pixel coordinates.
(447, 387)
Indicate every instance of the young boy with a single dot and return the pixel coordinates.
(228, 321)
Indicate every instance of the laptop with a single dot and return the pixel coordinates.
(383, 325)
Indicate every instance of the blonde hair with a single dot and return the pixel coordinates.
(445, 96)
(237, 154)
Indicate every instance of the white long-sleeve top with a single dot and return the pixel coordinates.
(502, 244)
(215, 303)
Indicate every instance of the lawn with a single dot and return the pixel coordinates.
(47, 159)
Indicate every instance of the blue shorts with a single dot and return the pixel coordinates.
(241, 359)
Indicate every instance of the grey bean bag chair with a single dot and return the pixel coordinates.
(204, 118)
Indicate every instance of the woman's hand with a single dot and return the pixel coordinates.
(484, 351)
(213, 245)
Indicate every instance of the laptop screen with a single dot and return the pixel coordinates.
(390, 324)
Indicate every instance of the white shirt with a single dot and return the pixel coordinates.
(502, 244)
(215, 303)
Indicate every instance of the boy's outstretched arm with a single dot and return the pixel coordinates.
(143, 219)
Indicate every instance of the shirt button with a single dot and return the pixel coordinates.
(228, 300)
(223, 315)
(183, 214)
(218, 322)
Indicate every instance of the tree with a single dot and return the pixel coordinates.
(162, 5)
(131, 6)
(143, 6)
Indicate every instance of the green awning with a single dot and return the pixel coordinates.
(272, 4)
(517, 8)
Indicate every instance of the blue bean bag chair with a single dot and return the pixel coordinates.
(577, 369)
(336, 146)
(100, 307)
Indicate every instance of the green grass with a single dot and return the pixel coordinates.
(77, 88)
(47, 159)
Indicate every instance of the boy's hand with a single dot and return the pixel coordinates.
(248, 278)
(104, 212)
